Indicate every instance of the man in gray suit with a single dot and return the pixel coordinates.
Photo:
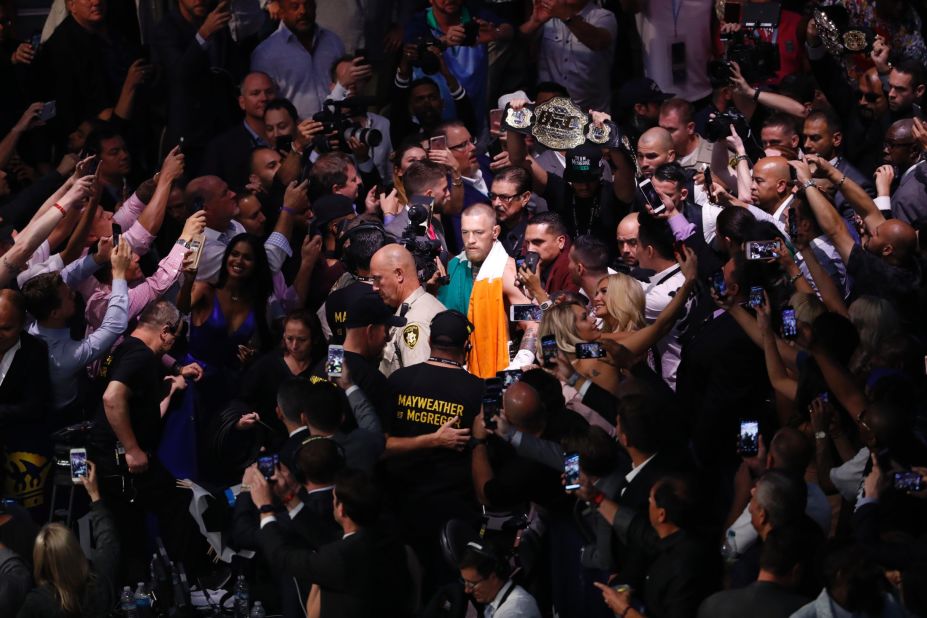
(903, 158)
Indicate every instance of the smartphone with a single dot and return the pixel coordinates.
(571, 471)
(437, 143)
(490, 409)
(362, 53)
(651, 196)
(590, 349)
(717, 283)
(532, 259)
(35, 40)
(196, 246)
(756, 296)
(908, 481)
(825, 396)
(748, 441)
(268, 465)
(519, 262)
(793, 222)
(525, 313)
(789, 324)
(509, 376)
(732, 12)
(117, 232)
(180, 145)
(49, 110)
(495, 120)
(78, 464)
(708, 182)
(549, 349)
(761, 249)
(335, 363)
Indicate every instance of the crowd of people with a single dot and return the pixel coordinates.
(289, 315)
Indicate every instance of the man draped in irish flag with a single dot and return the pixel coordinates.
(482, 284)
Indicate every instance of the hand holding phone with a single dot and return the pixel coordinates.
(335, 363)
(79, 468)
(748, 441)
(267, 465)
(651, 196)
(571, 472)
(549, 350)
(439, 142)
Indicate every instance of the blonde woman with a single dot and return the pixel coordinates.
(67, 584)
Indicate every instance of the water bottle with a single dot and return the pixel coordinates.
(242, 598)
(143, 601)
(729, 547)
(127, 603)
(258, 611)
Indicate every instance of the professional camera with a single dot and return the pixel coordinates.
(415, 239)
(758, 59)
(427, 61)
(339, 116)
(719, 127)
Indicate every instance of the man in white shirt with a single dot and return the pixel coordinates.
(771, 191)
(299, 56)
(576, 49)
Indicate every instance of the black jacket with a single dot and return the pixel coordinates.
(758, 600)
(228, 156)
(24, 393)
(99, 595)
(201, 81)
(15, 581)
(362, 575)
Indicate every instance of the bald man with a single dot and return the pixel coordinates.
(654, 148)
(771, 188)
(902, 154)
(627, 240)
(395, 278)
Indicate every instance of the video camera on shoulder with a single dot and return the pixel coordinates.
(338, 116)
(758, 59)
(415, 238)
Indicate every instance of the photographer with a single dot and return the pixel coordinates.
(463, 33)
(425, 179)
(487, 578)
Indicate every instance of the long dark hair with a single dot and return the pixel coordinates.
(260, 284)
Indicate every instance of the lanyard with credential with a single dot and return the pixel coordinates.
(677, 9)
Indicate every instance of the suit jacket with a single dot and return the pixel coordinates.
(846, 211)
(362, 575)
(24, 393)
(201, 81)
(909, 201)
(287, 452)
(228, 156)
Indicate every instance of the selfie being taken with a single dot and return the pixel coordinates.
(463, 309)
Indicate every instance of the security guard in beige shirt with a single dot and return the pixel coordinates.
(395, 277)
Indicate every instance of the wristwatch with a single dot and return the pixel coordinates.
(183, 243)
(820, 435)
(573, 379)
(547, 304)
(266, 508)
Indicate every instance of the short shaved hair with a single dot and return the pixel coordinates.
(475, 210)
(657, 136)
(683, 109)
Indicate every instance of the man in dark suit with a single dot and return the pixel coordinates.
(902, 164)
(228, 156)
(823, 133)
(682, 569)
(363, 574)
(24, 399)
(203, 66)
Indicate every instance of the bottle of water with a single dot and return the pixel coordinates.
(142, 601)
(258, 611)
(242, 598)
(127, 603)
(729, 547)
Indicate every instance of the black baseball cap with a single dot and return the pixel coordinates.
(367, 308)
(641, 90)
(582, 164)
(330, 207)
(450, 329)
(337, 305)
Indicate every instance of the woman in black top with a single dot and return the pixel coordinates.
(67, 584)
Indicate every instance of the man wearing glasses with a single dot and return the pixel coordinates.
(486, 578)
(509, 197)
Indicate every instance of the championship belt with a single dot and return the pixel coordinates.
(560, 124)
(838, 35)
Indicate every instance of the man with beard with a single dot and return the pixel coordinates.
(299, 56)
(902, 162)
(640, 100)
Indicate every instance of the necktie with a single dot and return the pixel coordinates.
(404, 309)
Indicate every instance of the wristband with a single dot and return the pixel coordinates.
(598, 499)
(808, 184)
(289, 211)
(742, 157)
(756, 95)
(842, 180)
(573, 379)
(794, 278)
(60, 209)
